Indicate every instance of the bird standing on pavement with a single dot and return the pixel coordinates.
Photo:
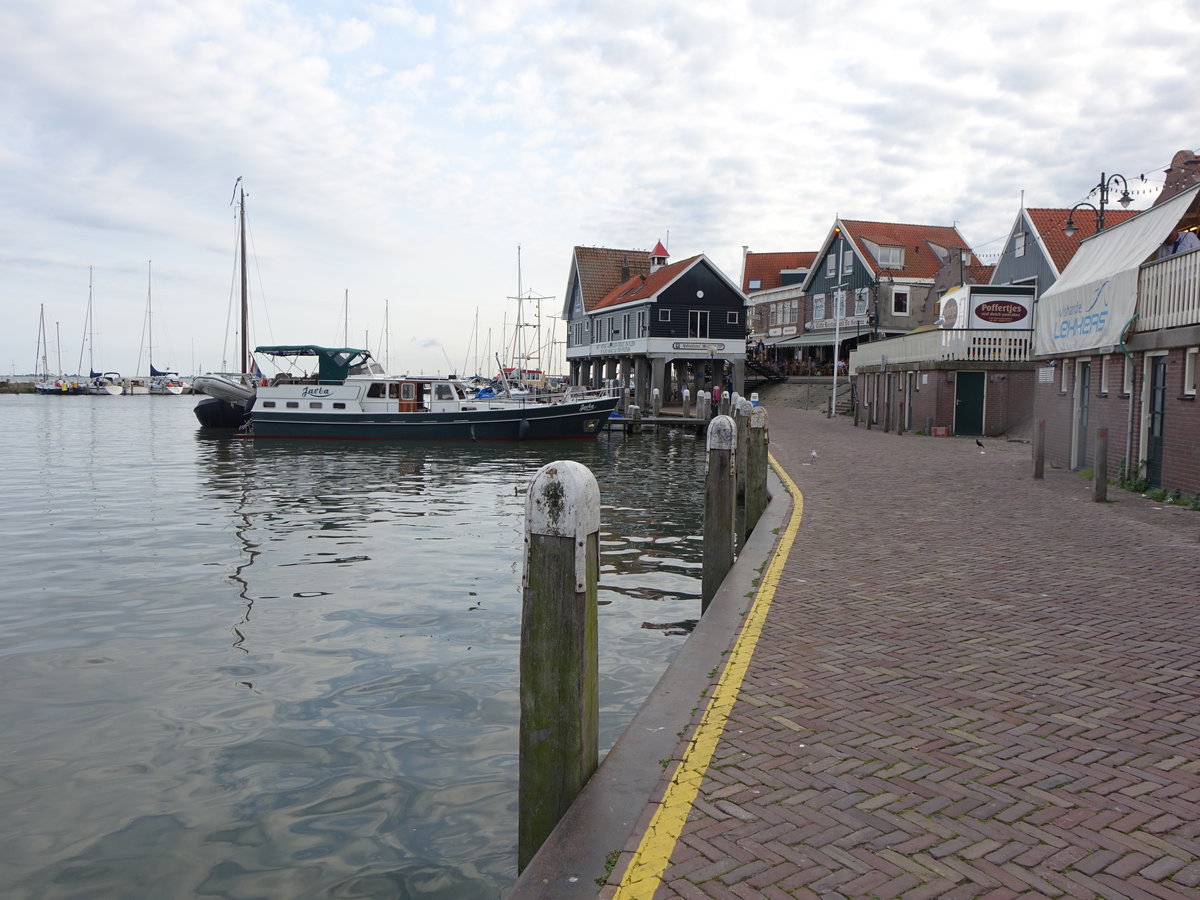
(978, 442)
(813, 454)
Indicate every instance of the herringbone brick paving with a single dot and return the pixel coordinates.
(969, 684)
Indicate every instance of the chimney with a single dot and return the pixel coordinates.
(624, 269)
(1184, 172)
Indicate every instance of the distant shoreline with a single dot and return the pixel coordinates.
(16, 387)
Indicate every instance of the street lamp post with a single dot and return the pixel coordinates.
(1103, 187)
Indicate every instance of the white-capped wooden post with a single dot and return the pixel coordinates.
(559, 740)
(741, 416)
(723, 405)
(719, 503)
(756, 468)
(656, 401)
(634, 419)
(686, 396)
(1100, 467)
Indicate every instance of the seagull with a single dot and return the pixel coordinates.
(813, 454)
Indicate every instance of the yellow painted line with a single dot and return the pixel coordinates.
(650, 860)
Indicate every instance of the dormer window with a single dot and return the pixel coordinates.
(890, 257)
(755, 284)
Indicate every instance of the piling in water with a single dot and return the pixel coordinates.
(559, 735)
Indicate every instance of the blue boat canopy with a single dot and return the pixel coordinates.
(334, 363)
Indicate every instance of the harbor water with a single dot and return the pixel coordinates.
(290, 669)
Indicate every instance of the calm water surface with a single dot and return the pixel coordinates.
(238, 669)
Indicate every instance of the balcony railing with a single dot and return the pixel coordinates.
(952, 344)
(1169, 292)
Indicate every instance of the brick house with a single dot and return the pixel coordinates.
(1117, 339)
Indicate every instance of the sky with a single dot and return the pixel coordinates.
(399, 157)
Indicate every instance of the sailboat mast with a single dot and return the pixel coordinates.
(149, 319)
(246, 362)
(42, 348)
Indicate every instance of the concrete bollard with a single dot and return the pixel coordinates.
(756, 468)
(1039, 449)
(686, 397)
(634, 414)
(1100, 467)
(656, 402)
(559, 739)
(723, 405)
(719, 504)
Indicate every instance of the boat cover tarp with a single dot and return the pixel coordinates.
(1096, 295)
(334, 363)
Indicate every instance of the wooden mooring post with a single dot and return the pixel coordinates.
(741, 408)
(559, 735)
(719, 501)
(1100, 467)
(756, 467)
(1039, 449)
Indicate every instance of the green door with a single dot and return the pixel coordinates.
(968, 402)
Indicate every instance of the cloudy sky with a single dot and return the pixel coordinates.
(402, 150)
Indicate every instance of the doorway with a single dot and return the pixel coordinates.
(1157, 407)
(968, 402)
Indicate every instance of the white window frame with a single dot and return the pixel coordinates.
(755, 284)
(1189, 371)
(695, 318)
(831, 265)
(1104, 369)
(1127, 375)
(664, 315)
(906, 294)
(847, 261)
(1065, 380)
(1019, 244)
(890, 257)
(731, 317)
(818, 306)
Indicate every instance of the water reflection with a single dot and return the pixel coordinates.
(290, 669)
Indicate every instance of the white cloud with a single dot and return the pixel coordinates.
(404, 152)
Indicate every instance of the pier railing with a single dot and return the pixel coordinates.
(952, 344)
(1169, 292)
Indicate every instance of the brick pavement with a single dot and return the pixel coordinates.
(969, 684)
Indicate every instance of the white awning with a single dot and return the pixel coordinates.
(1091, 302)
(817, 338)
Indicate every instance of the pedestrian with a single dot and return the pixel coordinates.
(1177, 242)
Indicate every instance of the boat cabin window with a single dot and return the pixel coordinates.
(335, 406)
(443, 392)
(393, 391)
(292, 404)
(315, 405)
(269, 403)
(408, 391)
(376, 390)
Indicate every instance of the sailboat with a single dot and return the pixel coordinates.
(43, 383)
(231, 395)
(161, 381)
(98, 382)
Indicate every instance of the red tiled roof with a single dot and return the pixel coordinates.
(642, 287)
(919, 259)
(1049, 225)
(766, 267)
(659, 250)
(600, 269)
(980, 274)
